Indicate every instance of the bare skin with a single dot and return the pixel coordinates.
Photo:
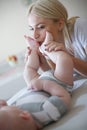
(62, 68)
(38, 27)
(13, 118)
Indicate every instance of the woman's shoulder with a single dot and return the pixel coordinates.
(81, 23)
(80, 28)
(80, 35)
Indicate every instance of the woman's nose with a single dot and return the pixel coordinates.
(36, 35)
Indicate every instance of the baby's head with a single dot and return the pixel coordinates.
(13, 118)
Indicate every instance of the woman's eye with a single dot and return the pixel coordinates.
(30, 28)
(41, 27)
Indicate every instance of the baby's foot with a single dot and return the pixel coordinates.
(30, 41)
(48, 38)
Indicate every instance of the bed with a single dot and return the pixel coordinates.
(76, 118)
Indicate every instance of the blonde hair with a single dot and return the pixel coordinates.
(53, 9)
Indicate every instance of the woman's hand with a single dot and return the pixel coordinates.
(54, 46)
(50, 45)
(28, 52)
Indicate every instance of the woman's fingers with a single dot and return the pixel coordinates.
(54, 46)
(28, 52)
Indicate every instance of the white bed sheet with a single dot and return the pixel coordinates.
(76, 118)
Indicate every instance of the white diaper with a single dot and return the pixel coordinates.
(49, 75)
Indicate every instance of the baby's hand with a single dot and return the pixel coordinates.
(35, 85)
(3, 103)
(27, 53)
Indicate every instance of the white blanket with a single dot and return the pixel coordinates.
(76, 118)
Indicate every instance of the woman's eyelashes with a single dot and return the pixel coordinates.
(30, 28)
(39, 27)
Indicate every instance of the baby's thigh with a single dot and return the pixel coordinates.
(57, 90)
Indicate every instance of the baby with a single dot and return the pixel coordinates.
(48, 97)
(56, 84)
(13, 118)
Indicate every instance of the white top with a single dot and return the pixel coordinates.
(79, 42)
(80, 39)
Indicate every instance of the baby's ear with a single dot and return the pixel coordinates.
(25, 115)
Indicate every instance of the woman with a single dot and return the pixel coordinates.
(68, 35)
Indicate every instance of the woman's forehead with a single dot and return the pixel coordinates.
(35, 20)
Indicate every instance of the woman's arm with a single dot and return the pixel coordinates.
(80, 65)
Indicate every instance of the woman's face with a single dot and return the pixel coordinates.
(39, 26)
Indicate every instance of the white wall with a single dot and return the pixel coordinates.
(76, 7)
(12, 27)
(13, 23)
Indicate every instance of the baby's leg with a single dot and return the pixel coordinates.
(64, 68)
(54, 108)
(52, 88)
(55, 89)
(33, 60)
(31, 67)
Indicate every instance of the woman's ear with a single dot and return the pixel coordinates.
(60, 24)
(25, 115)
